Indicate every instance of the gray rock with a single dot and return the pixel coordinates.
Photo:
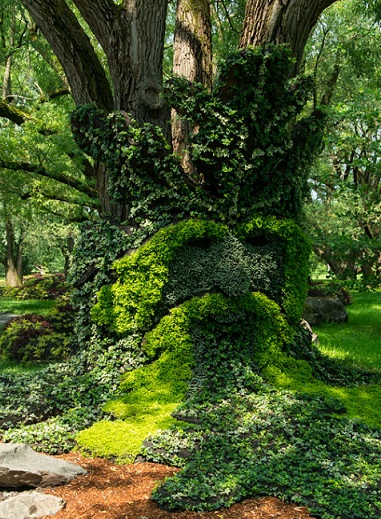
(30, 505)
(319, 310)
(21, 466)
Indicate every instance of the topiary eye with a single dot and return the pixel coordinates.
(201, 243)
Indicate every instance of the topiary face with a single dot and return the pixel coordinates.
(198, 287)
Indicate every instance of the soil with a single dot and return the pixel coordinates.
(111, 491)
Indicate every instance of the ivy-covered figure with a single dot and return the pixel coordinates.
(212, 280)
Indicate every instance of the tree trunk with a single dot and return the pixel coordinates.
(192, 59)
(132, 37)
(13, 260)
(281, 21)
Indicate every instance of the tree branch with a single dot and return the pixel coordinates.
(274, 21)
(73, 49)
(26, 167)
(13, 114)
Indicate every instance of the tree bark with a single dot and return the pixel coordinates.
(281, 21)
(86, 76)
(14, 114)
(132, 37)
(74, 183)
(192, 59)
(13, 260)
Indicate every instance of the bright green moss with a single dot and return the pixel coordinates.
(213, 330)
(296, 247)
(122, 439)
(130, 303)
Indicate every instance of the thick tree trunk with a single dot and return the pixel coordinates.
(192, 59)
(281, 21)
(85, 74)
(192, 48)
(132, 36)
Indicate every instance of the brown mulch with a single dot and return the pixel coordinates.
(111, 491)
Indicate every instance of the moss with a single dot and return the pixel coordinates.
(296, 248)
(121, 440)
(131, 303)
(216, 339)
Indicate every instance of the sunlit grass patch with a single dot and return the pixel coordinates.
(28, 306)
(358, 339)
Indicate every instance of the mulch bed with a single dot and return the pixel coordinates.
(112, 491)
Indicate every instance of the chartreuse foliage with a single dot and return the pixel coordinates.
(200, 319)
(216, 315)
(239, 266)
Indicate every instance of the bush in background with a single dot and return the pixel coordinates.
(37, 338)
(38, 286)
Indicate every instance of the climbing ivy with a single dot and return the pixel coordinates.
(251, 151)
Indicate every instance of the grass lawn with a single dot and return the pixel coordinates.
(22, 307)
(358, 339)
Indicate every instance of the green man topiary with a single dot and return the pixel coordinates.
(213, 278)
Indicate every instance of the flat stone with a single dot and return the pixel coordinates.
(21, 466)
(30, 505)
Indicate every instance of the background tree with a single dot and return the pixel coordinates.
(344, 215)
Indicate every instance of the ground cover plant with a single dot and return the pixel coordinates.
(285, 430)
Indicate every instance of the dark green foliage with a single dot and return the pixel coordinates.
(36, 338)
(250, 153)
(140, 294)
(206, 298)
(271, 443)
(97, 249)
(48, 286)
(144, 174)
(48, 407)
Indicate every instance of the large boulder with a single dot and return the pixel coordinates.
(319, 310)
(21, 466)
(30, 505)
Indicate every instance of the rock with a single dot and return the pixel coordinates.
(307, 326)
(320, 310)
(21, 466)
(30, 505)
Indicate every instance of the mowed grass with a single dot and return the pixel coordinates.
(357, 341)
(21, 307)
(360, 338)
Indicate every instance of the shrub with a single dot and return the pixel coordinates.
(36, 338)
(50, 286)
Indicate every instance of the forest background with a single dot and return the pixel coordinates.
(46, 188)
